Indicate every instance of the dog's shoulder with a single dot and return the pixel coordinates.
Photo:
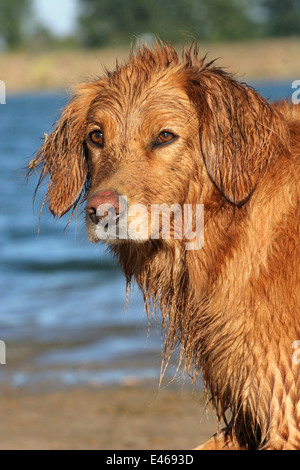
(291, 114)
(290, 111)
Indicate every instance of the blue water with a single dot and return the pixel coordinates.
(63, 314)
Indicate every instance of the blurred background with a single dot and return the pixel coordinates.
(63, 314)
(36, 24)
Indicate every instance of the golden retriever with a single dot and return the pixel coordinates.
(181, 132)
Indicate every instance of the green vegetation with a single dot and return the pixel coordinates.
(116, 22)
(283, 17)
(14, 14)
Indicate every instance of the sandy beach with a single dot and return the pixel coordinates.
(275, 59)
(118, 418)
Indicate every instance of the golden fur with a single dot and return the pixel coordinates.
(233, 306)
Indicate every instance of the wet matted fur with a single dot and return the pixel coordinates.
(233, 306)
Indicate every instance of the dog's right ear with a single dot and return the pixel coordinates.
(239, 131)
(63, 154)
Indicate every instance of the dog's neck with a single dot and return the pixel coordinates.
(209, 308)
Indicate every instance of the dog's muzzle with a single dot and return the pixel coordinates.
(105, 206)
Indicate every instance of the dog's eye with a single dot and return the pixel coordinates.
(164, 138)
(97, 138)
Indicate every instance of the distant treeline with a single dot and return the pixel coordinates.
(115, 22)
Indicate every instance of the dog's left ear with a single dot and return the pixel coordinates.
(63, 153)
(239, 131)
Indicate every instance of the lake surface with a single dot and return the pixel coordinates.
(63, 314)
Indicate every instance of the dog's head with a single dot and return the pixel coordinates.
(158, 130)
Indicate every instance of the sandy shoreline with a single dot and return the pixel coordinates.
(113, 418)
(275, 59)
